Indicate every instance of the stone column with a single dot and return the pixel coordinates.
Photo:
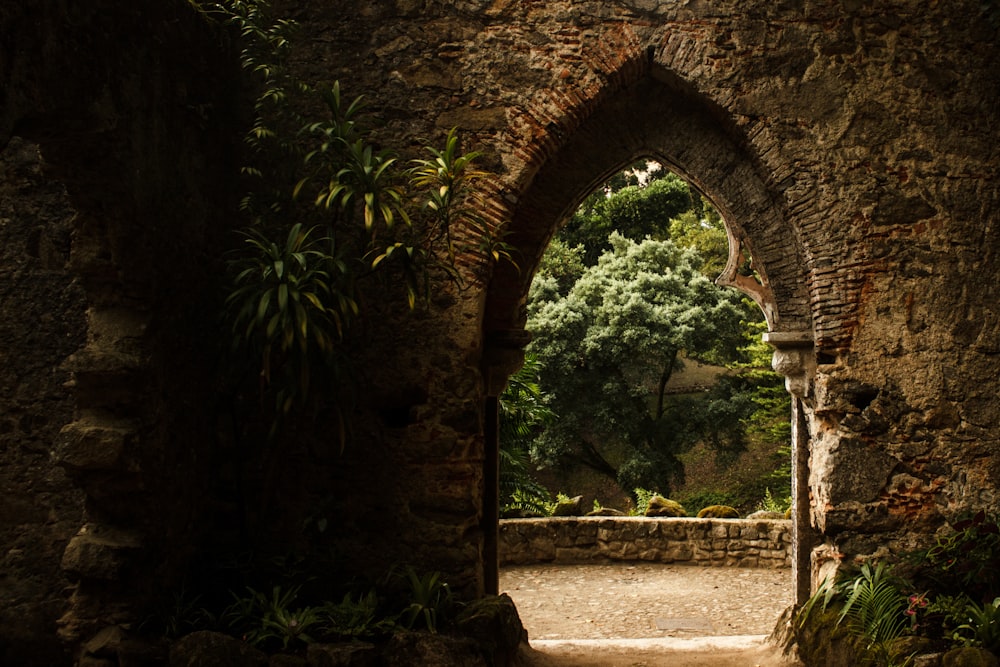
(794, 358)
(503, 355)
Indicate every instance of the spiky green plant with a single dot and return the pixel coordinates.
(874, 610)
(290, 301)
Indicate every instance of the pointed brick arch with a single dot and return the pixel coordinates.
(657, 117)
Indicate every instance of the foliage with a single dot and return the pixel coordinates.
(561, 266)
(634, 211)
(431, 601)
(290, 616)
(326, 209)
(771, 504)
(522, 414)
(355, 617)
(267, 620)
(705, 232)
(874, 609)
(642, 498)
(965, 561)
(980, 626)
(607, 351)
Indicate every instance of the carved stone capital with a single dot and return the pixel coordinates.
(794, 358)
(503, 355)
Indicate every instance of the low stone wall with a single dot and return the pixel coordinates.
(740, 542)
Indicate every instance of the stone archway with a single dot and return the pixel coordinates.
(852, 148)
(658, 116)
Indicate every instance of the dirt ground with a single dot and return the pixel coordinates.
(648, 614)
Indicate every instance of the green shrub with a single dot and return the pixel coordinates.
(966, 561)
(771, 504)
(642, 497)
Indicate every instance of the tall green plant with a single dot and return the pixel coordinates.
(327, 209)
(290, 304)
(523, 413)
(875, 610)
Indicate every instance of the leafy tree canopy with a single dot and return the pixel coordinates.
(634, 211)
(608, 347)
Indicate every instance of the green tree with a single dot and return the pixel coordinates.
(607, 350)
(701, 228)
(634, 211)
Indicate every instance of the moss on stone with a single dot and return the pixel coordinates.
(718, 512)
(660, 506)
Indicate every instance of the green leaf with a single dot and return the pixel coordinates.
(282, 296)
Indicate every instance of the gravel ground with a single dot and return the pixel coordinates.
(646, 600)
(648, 614)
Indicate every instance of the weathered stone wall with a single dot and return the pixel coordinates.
(721, 542)
(117, 168)
(852, 148)
(41, 324)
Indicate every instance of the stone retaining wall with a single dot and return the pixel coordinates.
(742, 542)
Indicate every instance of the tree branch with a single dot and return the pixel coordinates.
(661, 390)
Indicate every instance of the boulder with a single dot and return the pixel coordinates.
(571, 507)
(606, 511)
(660, 506)
(718, 512)
(425, 649)
(968, 657)
(494, 624)
(348, 654)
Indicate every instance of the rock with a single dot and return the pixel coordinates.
(718, 512)
(423, 649)
(660, 506)
(571, 507)
(969, 657)
(286, 660)
(493, 622)
(606, 511)
(202, 648)
(764, 514)
(350, 654)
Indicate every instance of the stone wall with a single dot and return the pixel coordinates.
(735, 542)
(851, 147)
(41, 323)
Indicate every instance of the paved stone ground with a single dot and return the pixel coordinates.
(646, 600)
(648, 614)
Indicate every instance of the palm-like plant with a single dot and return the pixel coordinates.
(875, 610)
(290, 300)
(522, 413)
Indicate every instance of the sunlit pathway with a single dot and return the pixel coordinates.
(646, 600)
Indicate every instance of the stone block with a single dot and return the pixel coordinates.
(90, 445)
(212, 648)
(98, 552)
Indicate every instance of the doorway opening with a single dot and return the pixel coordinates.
(658, 118)
(639, 371)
